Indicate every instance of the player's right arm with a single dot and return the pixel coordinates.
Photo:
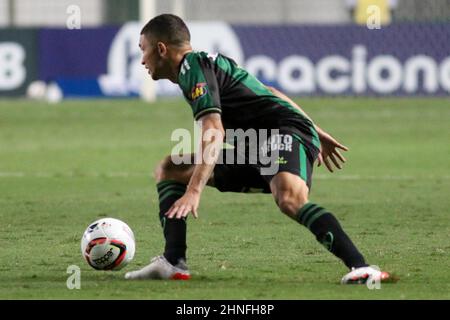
(207, 155)
(328, 145)
(200, 88)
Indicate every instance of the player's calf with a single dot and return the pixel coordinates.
(171, 181)
(330, 234)
(291, 195)
(289, 204)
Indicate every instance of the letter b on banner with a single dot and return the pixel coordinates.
(12, 69)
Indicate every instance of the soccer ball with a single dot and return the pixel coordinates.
(108, 244)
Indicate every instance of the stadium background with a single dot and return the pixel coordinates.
(77, 143)
(331, 55)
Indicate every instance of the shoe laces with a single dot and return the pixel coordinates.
(157, 258)
(182, 264)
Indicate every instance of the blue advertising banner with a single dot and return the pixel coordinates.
(396, 60)
(74, 53)
(74, 59)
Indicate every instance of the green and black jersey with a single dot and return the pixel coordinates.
(215, 83)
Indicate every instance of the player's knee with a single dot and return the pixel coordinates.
(165, 170)
(290, 203)
(168, 170)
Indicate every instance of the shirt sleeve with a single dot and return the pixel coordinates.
(199, 85)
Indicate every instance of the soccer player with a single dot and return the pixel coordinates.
(224, 96)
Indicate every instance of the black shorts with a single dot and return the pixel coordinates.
(287, 151)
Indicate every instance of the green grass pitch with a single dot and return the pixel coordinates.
(64, 166)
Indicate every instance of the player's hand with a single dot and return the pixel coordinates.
(329, 152)
(188, 203)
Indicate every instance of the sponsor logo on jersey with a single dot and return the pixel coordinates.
(281, 160)
(278, 142)
(198, 91)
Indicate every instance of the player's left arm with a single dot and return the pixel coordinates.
(329, 146)
(211, 143)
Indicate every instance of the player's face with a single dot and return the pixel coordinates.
(151, 58)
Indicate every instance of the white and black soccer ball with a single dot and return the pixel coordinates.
(108, 244)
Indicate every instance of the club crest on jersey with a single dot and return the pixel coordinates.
(198, 91)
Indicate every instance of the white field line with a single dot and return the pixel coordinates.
(71, 174)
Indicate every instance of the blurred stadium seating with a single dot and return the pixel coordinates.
(23, 13)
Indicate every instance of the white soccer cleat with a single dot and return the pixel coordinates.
(160, 269)
(363, 274)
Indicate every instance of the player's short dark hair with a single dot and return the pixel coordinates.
(168, 28)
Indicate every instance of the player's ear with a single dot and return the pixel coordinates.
(162, 49)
